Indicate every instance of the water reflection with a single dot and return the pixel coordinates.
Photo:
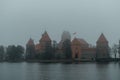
(38, 71)
(102, 71)
(108, 71)
(45, 71)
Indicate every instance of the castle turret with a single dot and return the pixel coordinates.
(30, 42)
(30, 49)
(65, 36)
(102, 48)
(45, 41)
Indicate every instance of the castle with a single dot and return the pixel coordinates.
(81, 50)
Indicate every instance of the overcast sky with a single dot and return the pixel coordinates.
(22, 19)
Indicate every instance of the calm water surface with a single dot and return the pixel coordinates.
(38, 71)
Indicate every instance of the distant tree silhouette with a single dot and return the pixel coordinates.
(114, 48)
(119, 49)
(67, 49)
(48, 55)
(20, 51)
(30, 52)
(14, 53)
(2, 52)
(54, 48)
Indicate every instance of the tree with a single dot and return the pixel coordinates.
(115, 51)
(54, 48)
(2, 52)
(20, 51)
(14, 53)
(30, 52)
(67, 49)
(47, 55)
(119, 49)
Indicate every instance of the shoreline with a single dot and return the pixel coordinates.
(63, 61)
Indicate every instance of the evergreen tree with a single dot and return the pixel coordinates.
(48, 55)
(115, 51)
(67, 49)
(2, 52)
(54, 48)
(119, 49)
(30, 52)
(20, 51)
(14, 53)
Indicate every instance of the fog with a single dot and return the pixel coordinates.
(22, 19)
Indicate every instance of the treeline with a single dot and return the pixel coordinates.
(51, 52)
(12, 53)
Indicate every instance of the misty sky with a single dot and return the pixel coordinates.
(22, 19)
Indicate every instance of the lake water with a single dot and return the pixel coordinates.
(58, 71)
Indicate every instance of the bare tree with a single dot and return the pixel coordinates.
(119, 49)
(114, 48)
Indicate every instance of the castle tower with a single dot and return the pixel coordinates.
(65, 36)
(102, 48)
(45, 40)
(30, 49)
(30, 42)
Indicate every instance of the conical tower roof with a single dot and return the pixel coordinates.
(45, 37)
(102, 39)
(30, 42)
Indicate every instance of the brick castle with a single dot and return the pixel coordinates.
(81, 50)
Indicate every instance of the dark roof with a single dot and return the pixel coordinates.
(45, 37)
(30, 42)
(102, 38)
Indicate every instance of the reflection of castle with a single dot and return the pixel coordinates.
(80, 48)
